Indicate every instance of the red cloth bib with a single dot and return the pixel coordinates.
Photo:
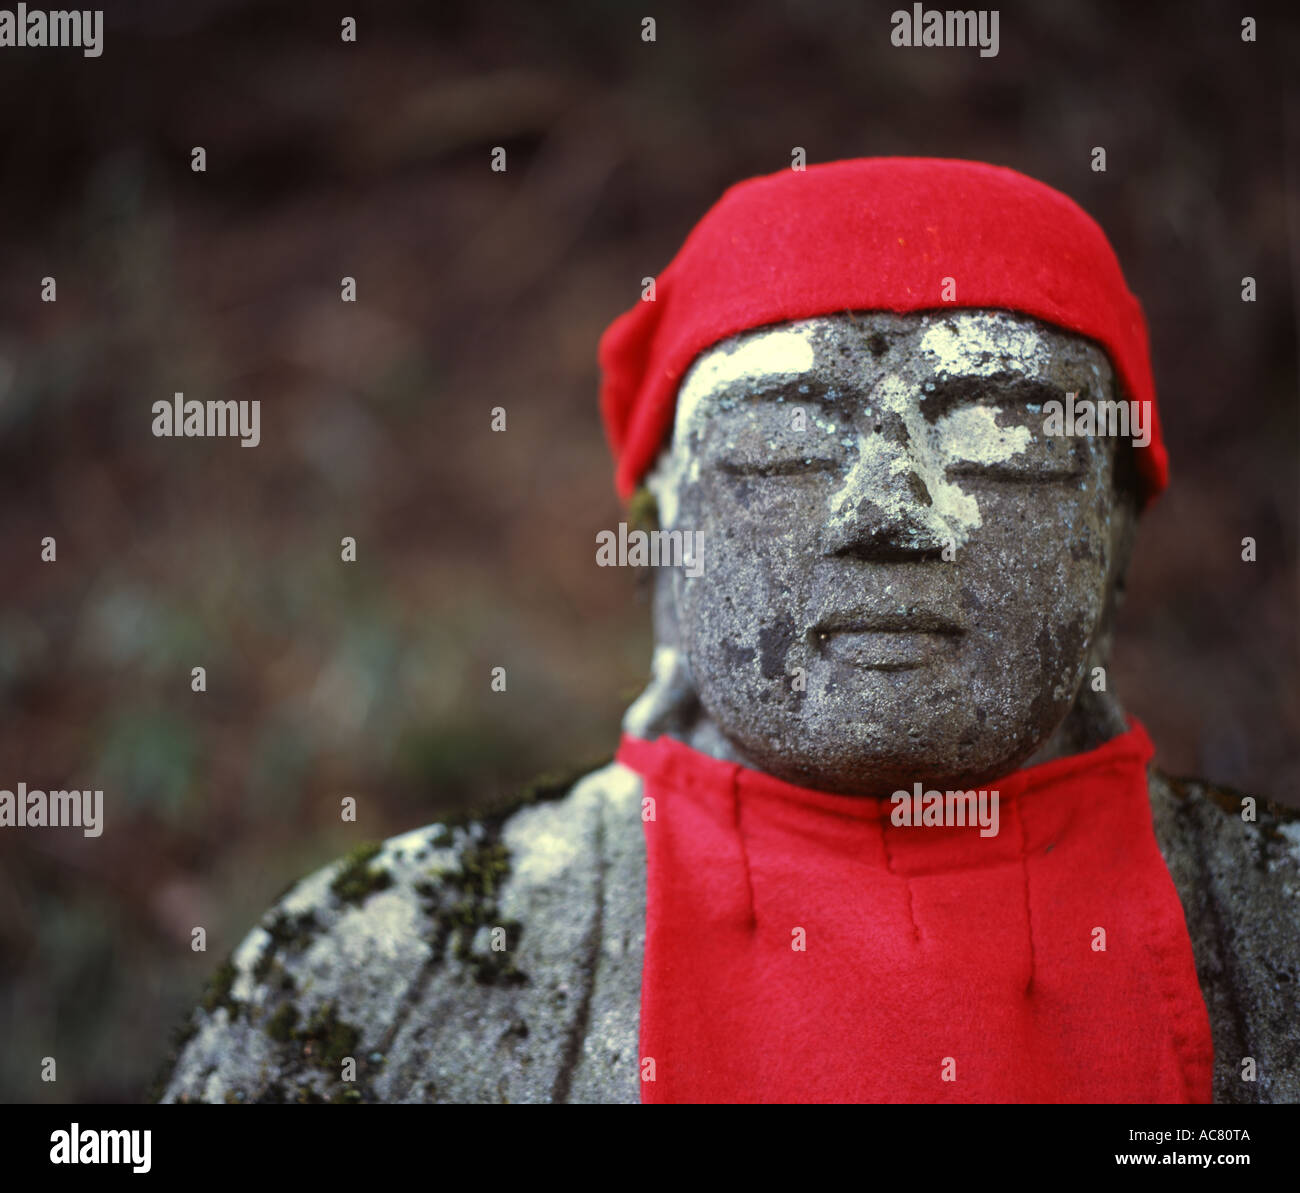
(937, 964)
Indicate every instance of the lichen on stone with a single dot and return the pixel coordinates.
(218, 990)
(463, 900)
(287, 932)
(327, 1039)
(357, 879)
(281, 1024)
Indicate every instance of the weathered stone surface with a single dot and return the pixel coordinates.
(903, 575)
(389, 960)
(1240, 887)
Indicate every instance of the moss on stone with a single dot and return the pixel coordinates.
(496, 969)
(556, 784)
(549, 785)
(357, 880)
(218, 990)
(281, 1025)
(643, 510)
(484, 866)
(327, 1039)
(292, 931)
(288, 933)
(462, 900)
(465, 900)
(182, 1034)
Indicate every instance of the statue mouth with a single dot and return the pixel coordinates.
(887, 641)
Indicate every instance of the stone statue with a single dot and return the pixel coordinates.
(907, 580)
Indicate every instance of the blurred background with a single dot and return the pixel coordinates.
(479, 289)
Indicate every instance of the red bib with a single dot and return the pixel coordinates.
(806, 947)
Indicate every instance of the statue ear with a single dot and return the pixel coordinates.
(1128, 481)
(669, 704)
(1123, 534)
(1128, 503)
(665, 608)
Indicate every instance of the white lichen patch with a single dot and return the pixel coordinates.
(543, 856)
(971, 434)
(388, 925)
(980, 344)
(312, 893)
(622, 786)
(244, 958)
(1291, 831)
(414, 841)
(968, 434)
(785, 351)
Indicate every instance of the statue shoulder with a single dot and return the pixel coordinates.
(497, 960)
(1235, 860)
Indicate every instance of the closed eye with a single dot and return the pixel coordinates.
(791, 467)
(1050, 475)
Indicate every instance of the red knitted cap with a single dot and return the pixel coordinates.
(871, 234)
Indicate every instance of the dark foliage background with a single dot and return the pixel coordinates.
(480, 289)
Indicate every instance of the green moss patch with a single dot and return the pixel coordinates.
(281, 1025)
(218, 990)
(327, 1039)
(358, 879)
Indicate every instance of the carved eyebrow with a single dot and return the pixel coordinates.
(964, 389)
(793, 387)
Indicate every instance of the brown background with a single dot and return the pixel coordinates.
(480, 289)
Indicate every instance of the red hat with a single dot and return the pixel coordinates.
(871, 234)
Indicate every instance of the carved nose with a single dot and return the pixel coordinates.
(883, 509)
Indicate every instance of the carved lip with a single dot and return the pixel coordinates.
(919, 621)
(886, 641)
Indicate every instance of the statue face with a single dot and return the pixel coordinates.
(903, 574)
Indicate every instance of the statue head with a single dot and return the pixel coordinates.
(903, 576)
(844, 383)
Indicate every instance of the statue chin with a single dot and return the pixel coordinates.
(878, 763)
(872, 733)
